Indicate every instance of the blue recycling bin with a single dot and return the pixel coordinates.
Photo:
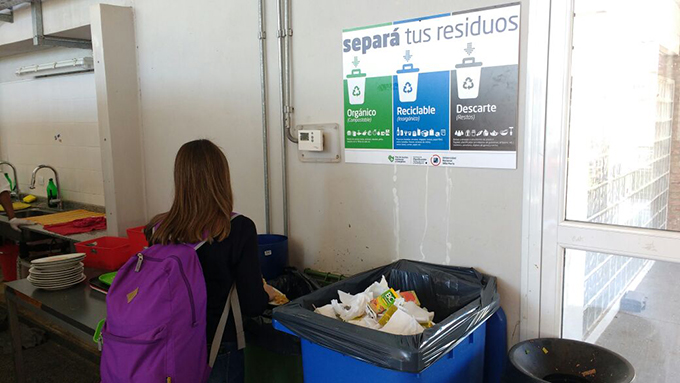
(496, 350)
(463, 364)
(273, 253)
(454, 350)
(478, 358)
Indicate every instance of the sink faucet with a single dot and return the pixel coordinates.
(15, 191)
(56, 180)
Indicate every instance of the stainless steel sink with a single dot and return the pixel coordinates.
(25, 235)
(35, 212)
(32, 213)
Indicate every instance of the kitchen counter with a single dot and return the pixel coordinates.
(41, 203)
(73, 238)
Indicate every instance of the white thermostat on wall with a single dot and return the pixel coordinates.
(310, 140)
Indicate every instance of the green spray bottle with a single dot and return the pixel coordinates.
(51, 192)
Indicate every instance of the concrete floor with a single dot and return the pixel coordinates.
(650, 340)
(48, 363)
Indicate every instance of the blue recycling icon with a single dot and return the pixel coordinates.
(408, 88)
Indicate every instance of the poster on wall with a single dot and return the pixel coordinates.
(434, 91)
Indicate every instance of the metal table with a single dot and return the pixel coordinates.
(77, 309)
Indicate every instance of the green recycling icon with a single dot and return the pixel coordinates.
(356, 91)
(468, 84)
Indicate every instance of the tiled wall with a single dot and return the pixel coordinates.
(53, 121)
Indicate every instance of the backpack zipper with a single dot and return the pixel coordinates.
(140, 259)
(188, 286)
(184, 278)
(128, 340)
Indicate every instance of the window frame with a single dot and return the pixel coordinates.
(545, 239)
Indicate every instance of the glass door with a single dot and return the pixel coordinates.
(610, 266)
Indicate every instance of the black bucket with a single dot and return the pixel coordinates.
(565, 361)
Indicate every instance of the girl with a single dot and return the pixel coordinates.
(202, 209)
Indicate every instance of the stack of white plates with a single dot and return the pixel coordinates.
(57, 272)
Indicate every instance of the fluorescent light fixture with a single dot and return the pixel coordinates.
(82, 64)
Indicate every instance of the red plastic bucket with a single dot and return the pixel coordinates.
(8, 261)
(108, 253)
(137, 239)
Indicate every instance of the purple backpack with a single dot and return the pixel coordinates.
(156, 318)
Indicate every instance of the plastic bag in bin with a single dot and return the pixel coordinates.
(462, 299)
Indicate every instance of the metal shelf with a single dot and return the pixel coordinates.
(39, 37)
(8, 4)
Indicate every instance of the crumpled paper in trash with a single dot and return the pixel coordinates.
(401, 323)
(377, 288)
(407, 320)
(420, 314)
(327, 310)
(352, 306)
(366, 322)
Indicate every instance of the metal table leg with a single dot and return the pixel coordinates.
(16, 337)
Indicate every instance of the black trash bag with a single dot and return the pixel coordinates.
(259, 330)
(461, 298)
(294, 283)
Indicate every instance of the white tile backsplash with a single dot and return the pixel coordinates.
(32, 113)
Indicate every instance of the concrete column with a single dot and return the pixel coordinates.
(116, 80)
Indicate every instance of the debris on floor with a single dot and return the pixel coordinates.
(30, 336)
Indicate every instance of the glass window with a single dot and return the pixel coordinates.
(624, 133)
(628, 305)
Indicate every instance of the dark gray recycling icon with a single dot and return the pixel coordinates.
(356, 91)
(468, 84)
(408, 88)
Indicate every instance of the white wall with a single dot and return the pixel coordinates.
(199, 78)
(366, 215)
(34, 111)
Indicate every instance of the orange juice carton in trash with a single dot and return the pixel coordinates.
(410, 296)
(378, 305)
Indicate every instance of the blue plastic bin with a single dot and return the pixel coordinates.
(496, 349)
(463, 364)
(273, 251)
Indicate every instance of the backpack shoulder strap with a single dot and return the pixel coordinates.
(198, 245)
(232, 301)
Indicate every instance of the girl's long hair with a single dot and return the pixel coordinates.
(203, 200)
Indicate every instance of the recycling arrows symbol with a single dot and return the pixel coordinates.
(356, 91)
(468, 84)
(408, 88)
